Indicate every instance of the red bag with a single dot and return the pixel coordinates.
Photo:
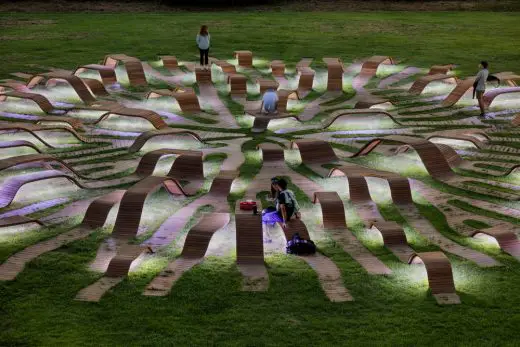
(247, 205)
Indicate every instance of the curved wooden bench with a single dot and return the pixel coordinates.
(462, 135)
(394, 238)
(335, 71)
(99, 209)
(261, 121)
(431, 156)
(422, 82)
(238, 84)
(169, 62)
(107, 73)
(450, 154)
(195, 247)
(304, 63)
(492, 94)
(120, 264)
(12, 85)
(187, 99)
(315, 151)
(283, 98)
(516, 121)
(348, 112)
(221, 185)
(367, 100)
(75, 123)
(271, 152)
(12, 185)
(132, 204)
(226, 67)
(278, 68)
(150, 116)
(440, 276)
(19, 143)
(507, 239)
(399, 186)
(202, 75)
(245, 58)
(96, 88)
(31, 158)
(43, 103)
(133, 66)
(266, 84)
(370, 66)
(332, 209)
(32, 129)
(306, 80)
(141, 140)
(74, 81)
(441, 69)
(18, 220)
(464, 85)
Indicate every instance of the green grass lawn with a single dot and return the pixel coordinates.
(206, 306)
(421, 39)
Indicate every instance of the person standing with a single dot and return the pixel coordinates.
(203, 42)
(480, 86)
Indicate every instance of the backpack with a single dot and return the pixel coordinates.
(299, 246)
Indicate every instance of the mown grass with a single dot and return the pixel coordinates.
(206, 306)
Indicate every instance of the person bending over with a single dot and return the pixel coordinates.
(269, 101)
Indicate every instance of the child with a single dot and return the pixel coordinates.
(203, 41)
(269, 101)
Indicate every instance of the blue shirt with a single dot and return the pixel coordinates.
(203, 41)
(270, 99)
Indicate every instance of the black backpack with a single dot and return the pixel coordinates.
(299, 246)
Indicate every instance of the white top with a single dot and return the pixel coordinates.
(481, 80)
(203, 41)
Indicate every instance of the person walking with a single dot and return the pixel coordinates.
(203, 42)
(480, 86)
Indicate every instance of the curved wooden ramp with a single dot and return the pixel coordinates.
(12, 185)
(335, 71)
(506, 239)
(31, 158)
(440, 276)
(466, 84)
(195, 247)
(431, 156)
(107, 73)
(132, 203)
(43, 103)
(422, 82)
(368, 100)
(492, 94)
(266, 84)
(133, 66)
(370, 66)
(150, 116)
(74, 81)
(18, 220)
(314, 151)
(470, 135)
(399, 186)
(333, 212)
(334, 116)
(238, 85)
(453, 158)
(95, 217)
(186, 98)
(226, 67)
(32, 129)
(394, 239)
(96, 87)
(441, 69)
(19, 143)
(278, 68)
(245, 58)
(250, 251)
(169, 62)
(141, 140)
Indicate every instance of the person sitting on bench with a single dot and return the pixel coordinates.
(286, 205)
(269, 101)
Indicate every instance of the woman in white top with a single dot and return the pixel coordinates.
(203, 43)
